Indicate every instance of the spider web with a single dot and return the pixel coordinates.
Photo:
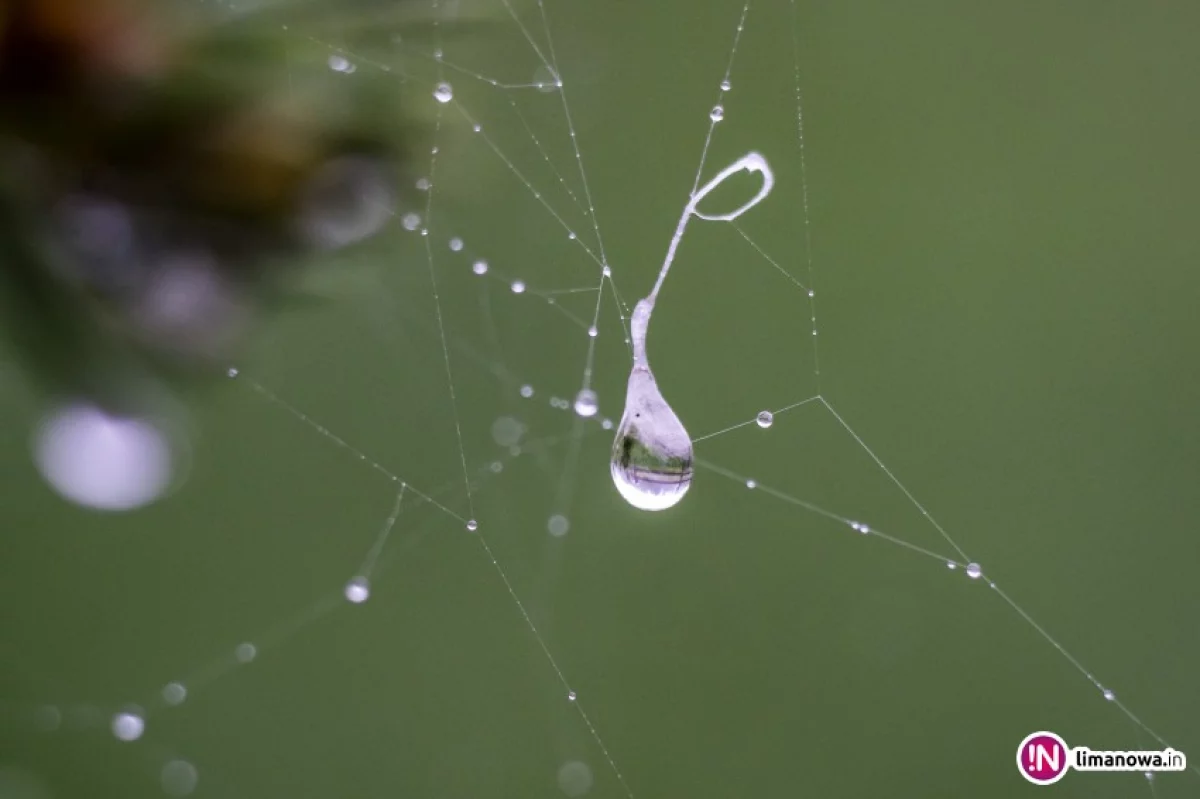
(313, 613)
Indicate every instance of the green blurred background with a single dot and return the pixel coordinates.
(1002, 203)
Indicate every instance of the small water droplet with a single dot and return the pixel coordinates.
(593, 332)
(571, 696)
(765, 419)
(358, 590)
(726, 85)
(128, 726)
(717, 113)
(472, 525)
(232, 371)
(496, 467)
(456, 244)
(1109, 695)
(179, 778)
(173, 693)
(558, 525)
(1149, 775)
(751, 483)
(437, 54)
(338, 64)
(951, 565)
(812, 293)
(411, 221)
(974, 571)
(443, 92)
(480, 267)
(422, 184)
(586, 403)
(607, 271)
(245, 652)
(518, 286)
(526, 391)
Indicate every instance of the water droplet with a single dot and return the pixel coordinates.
(358, 590)
(607, 271)
(651, 461)
(472, 525)
(173, 693)
(526, 391)
(496, 467)
(179, 778)
(586, 403)
(652, 453)
(765, 419)
(571, 697)
(480, 267)
(607, 424)
(575, 778)
(411, 221)
(232, 371)
(422, 184)
(593, 332)
(812, 293)
(476, 127)
(338, 64)
(128, 726)
(518, 286)
(558, 525)
(507, 431)
(1109, 695)
(443, 93)
(245, 652)
(456, 244)
(751, 483)
(974, 571)
(437, 54)
(951, 565)
(717, 113)
(105, 461)
(726, 85)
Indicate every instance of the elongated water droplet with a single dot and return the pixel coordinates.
(652, 452)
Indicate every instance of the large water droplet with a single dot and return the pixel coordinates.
(717, 113)
(652, 453)
(443, 93)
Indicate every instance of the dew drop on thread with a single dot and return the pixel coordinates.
(651, 461)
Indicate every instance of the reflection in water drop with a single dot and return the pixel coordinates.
(443, 93)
